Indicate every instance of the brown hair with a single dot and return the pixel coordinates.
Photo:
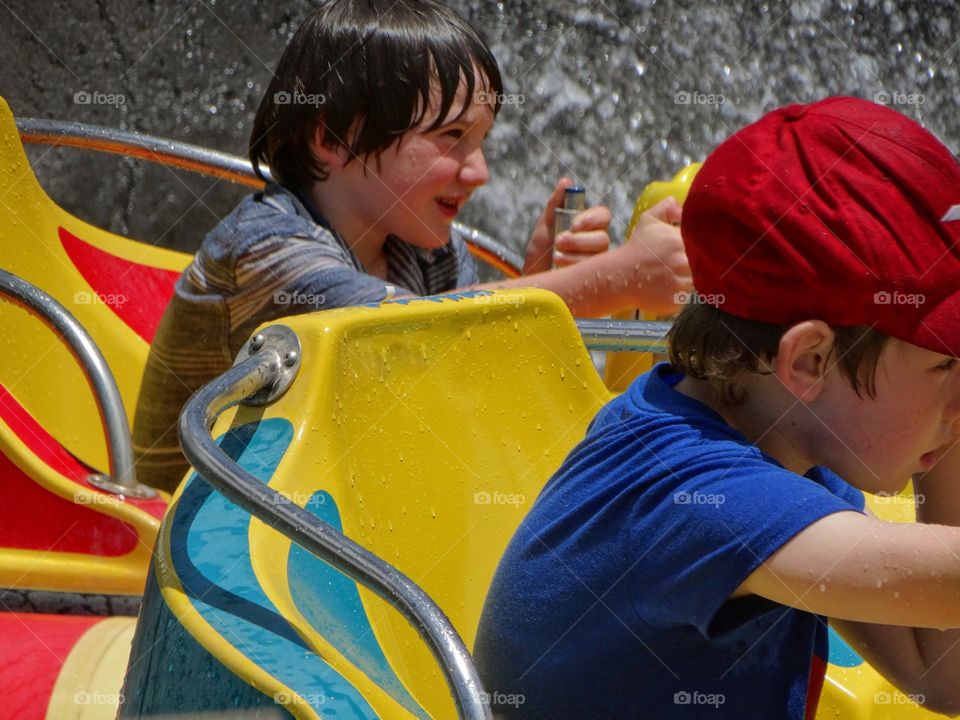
(709, 344)
(364, 69)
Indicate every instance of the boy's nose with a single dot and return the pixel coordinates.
(474, 172)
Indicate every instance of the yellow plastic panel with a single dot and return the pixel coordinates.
(72, 572)
(89, 684)
(623, 368)
(37, 367)
(433, 425)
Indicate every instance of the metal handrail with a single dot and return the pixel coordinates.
(122, 479)
(624, 335)
(201, 160)
(252, 376)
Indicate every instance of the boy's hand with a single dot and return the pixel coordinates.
(587, 237)
(659, 260)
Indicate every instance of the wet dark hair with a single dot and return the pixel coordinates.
(709, 344)
(364, 70)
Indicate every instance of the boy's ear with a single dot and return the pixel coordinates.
(803, 358)
(331, 155)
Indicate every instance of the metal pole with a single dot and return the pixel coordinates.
(627, 335)
(122, 478)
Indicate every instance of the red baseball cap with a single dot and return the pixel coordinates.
(842, 210)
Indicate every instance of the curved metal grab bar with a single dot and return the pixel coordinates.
(247, 378)
(215, 164)
(122, 479)
(625, 335)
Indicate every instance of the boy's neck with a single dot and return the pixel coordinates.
(762, 422)
(364, 240)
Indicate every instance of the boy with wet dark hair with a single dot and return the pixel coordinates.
(373, 127)
(684, 559)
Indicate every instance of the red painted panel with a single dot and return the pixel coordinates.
(55, 523)
(33, 518)
(33, 648)
(137, 293)
(40, 442)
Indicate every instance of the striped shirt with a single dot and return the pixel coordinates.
(273, 256)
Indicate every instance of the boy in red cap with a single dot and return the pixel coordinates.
(684, 559)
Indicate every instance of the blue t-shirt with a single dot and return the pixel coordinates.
(611, 600)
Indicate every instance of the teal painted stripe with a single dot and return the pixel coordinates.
(331, 602)
(461, 295)
(210, 553)
(841, 654)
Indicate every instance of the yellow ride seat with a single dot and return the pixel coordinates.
(57, 533)
(423, 428)
(116, 288)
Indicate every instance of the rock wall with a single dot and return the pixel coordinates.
(612, 92)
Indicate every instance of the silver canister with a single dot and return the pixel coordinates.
(574, 201)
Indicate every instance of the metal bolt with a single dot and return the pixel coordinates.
(257, 342)
(290, 358)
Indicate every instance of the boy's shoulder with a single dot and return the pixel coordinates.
(658, 436)
(653, 402)
(274, 211)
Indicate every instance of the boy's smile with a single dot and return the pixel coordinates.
(416, 188)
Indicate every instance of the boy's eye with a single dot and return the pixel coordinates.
(948, 364)
(456, 133)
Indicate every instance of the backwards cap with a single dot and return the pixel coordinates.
(841, 210)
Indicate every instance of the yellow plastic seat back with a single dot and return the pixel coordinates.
(115, 287)
(426, 430)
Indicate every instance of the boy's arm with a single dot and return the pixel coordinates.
(933, 655)
(887, 587)
(647, 271)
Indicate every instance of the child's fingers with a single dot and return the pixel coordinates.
(586, 243)
(563, 259)
(667, 210)
(597, 217)
(556, 197)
